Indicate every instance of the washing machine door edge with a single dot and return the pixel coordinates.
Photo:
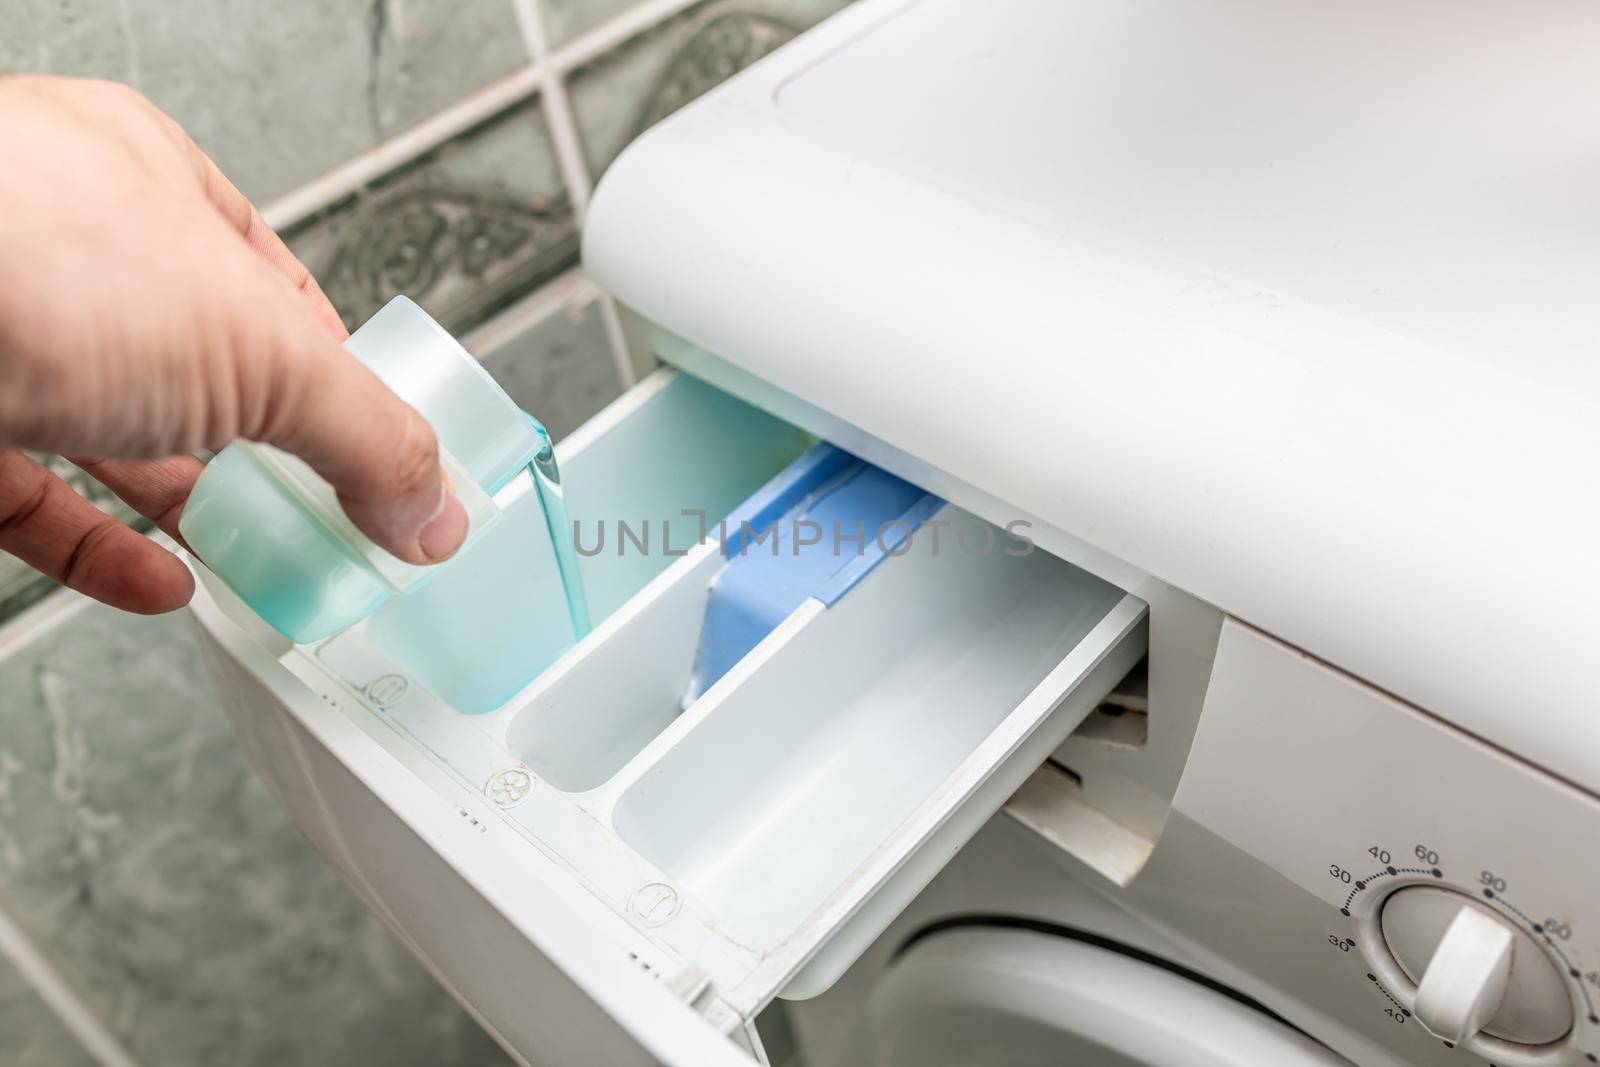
(1031, 997)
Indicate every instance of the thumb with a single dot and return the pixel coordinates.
(378, 453)
(325, 406)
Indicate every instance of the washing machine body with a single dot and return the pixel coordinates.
(1019, 956)
(1319, 830)
(1021, 994)
(1272, 327)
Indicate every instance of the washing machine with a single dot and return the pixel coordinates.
(1013, 957)
(1243, 353)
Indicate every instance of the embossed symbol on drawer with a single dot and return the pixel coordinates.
(654, 903)
(510, 786)
(387, 690)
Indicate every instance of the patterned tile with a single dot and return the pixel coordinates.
(153, 870)
(560, 369)
(624, 93)
(30, 1034)
(463, 231)
(279, 92)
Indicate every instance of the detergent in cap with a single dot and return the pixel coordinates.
(272, 528)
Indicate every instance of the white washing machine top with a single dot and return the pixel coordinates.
(1290, 305)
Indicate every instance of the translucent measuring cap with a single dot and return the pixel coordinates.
(319, 499)
(475, 420)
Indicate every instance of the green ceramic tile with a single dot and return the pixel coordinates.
(20, 586)
(30, 1034)
(462, 231)
(277, 93)
(623, 93)
(153, 871)
(566, 19)
(560, 369)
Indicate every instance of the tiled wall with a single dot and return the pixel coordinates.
(155, 906)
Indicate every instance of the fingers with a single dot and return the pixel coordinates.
(243, 217)
(202, 327)
(292, 386)
(155, 488)
(377, 452)
(47, 525)
(274, 375)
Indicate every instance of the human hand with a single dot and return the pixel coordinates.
(146, 312)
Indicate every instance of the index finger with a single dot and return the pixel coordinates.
(242, 215)
(155, 488)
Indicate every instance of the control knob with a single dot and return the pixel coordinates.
(1474, 969)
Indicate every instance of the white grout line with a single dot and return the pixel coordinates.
(558, 117)
(621, 354)
(606, 36)
(40, 618)
(572, 289)
(562, 124)
(366, 167)
(96, 1040)
(568, 144)
(57, 607)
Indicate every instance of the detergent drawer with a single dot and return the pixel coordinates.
(715, 839)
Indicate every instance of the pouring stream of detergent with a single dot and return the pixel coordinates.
(547, 482)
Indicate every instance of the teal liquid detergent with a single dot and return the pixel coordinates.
(475, 628)
(510, 606)
(563, 537)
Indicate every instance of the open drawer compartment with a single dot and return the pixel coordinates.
(749, 835)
